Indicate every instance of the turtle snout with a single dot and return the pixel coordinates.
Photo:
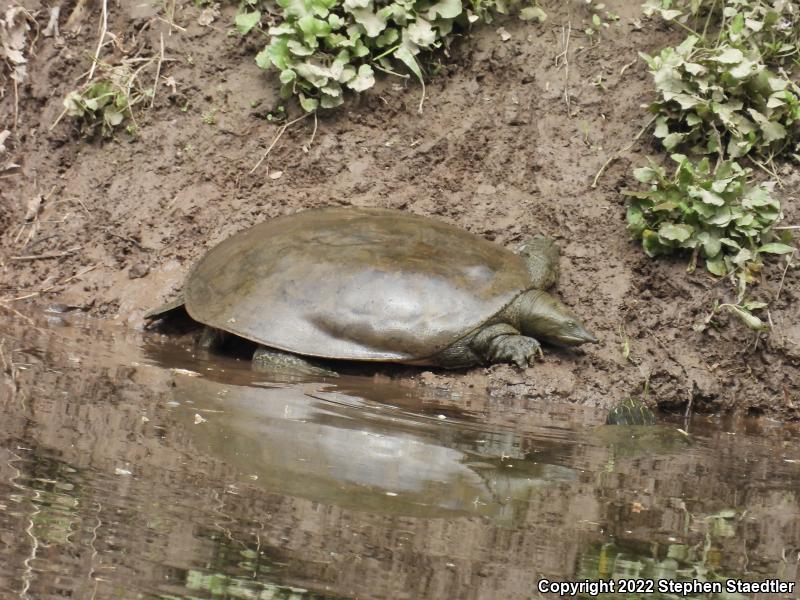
(576, 334)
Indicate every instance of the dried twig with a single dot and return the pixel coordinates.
(618, 153)
(158, 70)
(171, 24)
(125, 238)
(563, 55)
(783, 276)
(16, 312)
(275, 140)
(626, 67)
(50, 287)
(47, 254)
(103, 29)
(313, 134)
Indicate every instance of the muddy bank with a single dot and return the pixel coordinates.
(508, 146)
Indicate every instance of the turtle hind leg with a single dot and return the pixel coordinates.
(270, 360)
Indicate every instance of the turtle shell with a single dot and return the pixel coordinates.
(354, 283)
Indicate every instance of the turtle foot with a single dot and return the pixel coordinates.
(269, 360)
(518, 349)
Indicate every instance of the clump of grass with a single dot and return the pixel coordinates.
(720, 215)
(726, 90)
(324, 48)
(107, 102)
(769, 27)
(723, 101)
(724, 95)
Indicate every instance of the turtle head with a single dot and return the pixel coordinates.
(545, 318)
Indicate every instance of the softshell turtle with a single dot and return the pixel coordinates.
(371, 284)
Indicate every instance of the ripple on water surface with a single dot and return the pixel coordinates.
(133, 469)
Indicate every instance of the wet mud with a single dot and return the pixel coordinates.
(508, 147)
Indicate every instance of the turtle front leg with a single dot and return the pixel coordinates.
(270, 360)
(503, 343)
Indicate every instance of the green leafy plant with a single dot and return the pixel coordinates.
(769, 27)
(724, 92)
(107, 102)
(723, 101)
(719, 215)
(601, 17)
(325, 47)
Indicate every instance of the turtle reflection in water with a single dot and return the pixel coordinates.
(370, 284)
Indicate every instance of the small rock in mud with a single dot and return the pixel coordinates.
(138, 270)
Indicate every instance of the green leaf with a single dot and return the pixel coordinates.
(737, 24)
(529, 13)
(389, 36)
(754, 305)
(300, 49)
(287, 76)
(709, 197)
(772, 131)
(246, 21)
(752, 321)
(694, 68)
(328, 101)
(313, 27)
(776, 248)
(315, 75)
(675, 232)
(651, 244)
(716, 266)
(661, 130)
(308, 104)
(669, 15)
(277, 53)
(711, 244)
(635, 219)
(672, 140)
(373, 23)
(744, 69)
(282, 29)
(421, 33)
(778, 84)
(729, 56)
(645, 174)
(364, 79)
(112, 117)
(446, 9)
(404, 55)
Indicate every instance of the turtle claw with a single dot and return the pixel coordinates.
(518, 349)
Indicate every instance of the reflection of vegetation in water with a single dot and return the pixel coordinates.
(674, 562)
(238, 570)
(632, 411)
(225, 586)
(55, 515)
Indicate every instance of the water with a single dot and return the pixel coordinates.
(130, 468)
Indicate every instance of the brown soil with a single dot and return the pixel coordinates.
(499, 151)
